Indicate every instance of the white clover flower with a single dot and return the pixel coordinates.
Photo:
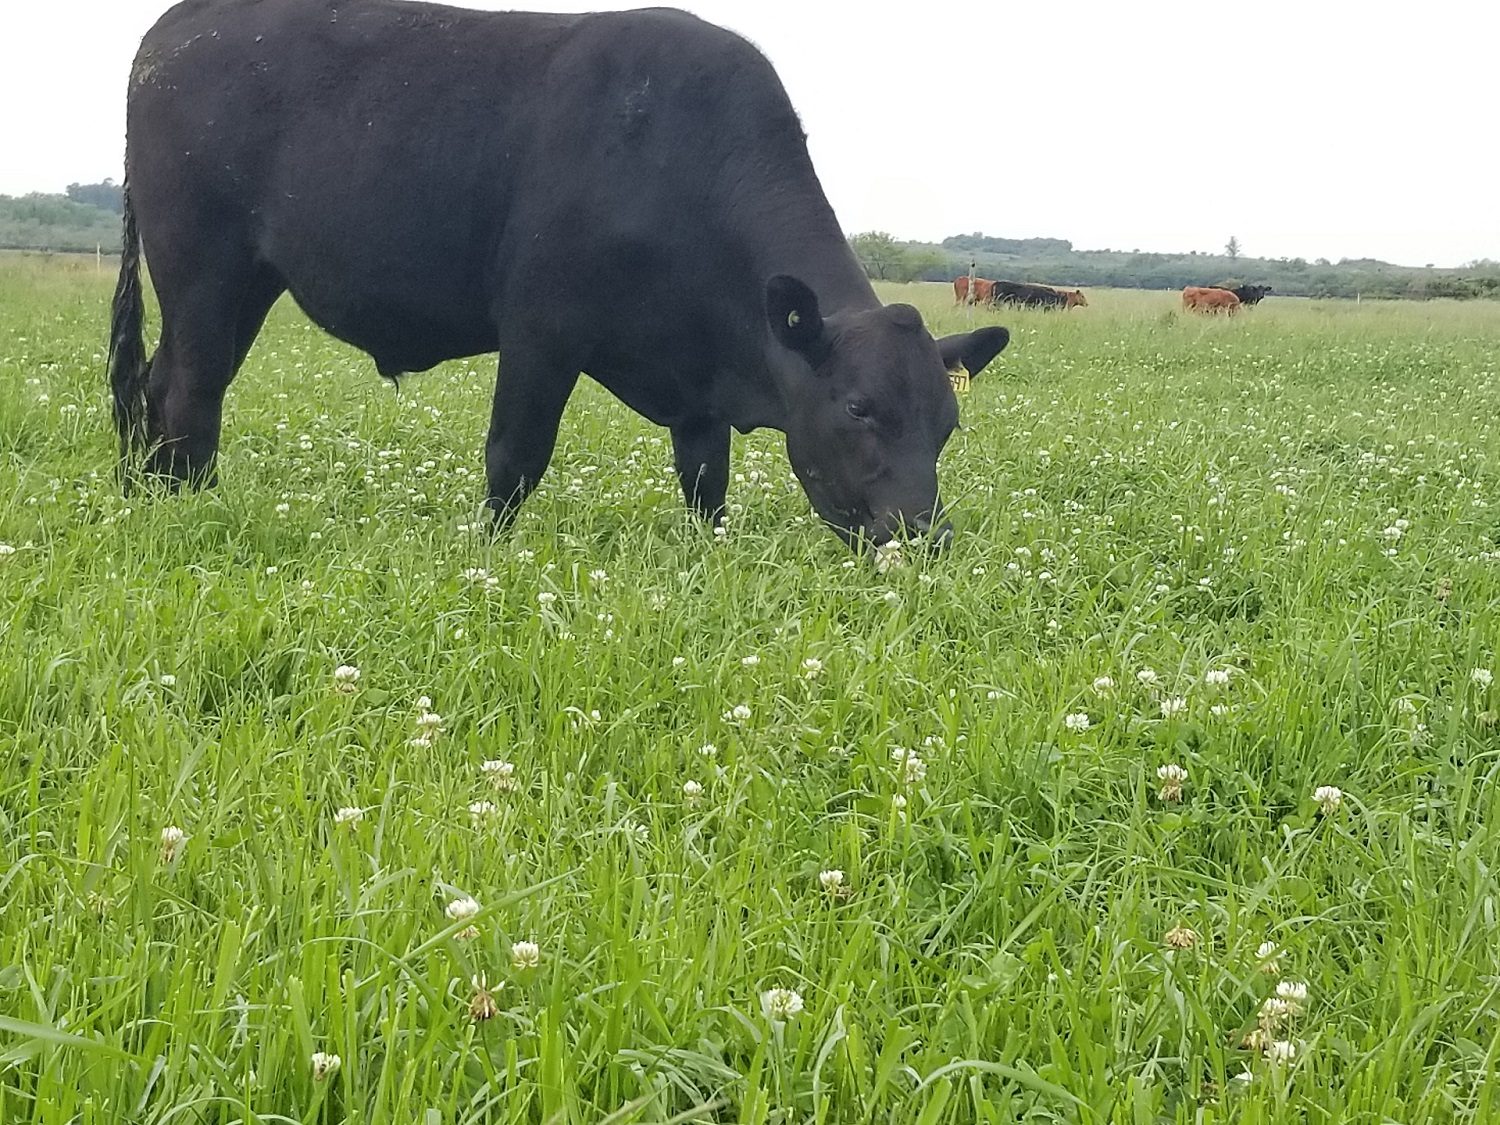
(1217, 677)
(1078, 722)
(1274, 1011)
(750, 661)
(424, 704)
(481, 811)
(325, 1065)
(525, 955)
(1293, 993)
(692, 792)
(482, 1005)
(462, 909)
(913, 768)
(600, 575)
(678, 661)
(1393, 533)
(501, 775)
(1482, 678)
(831, 881)
(350, 815)
(1329, 798)
(812, 667)
(1103, 685)
(780, 1004)
(167, 680)
(346, 678)
(1173, 706)
(888, 556)
(1267, 954)
(1181, 937)
(172, 839)
(1219, 710)
(6, 550)
(1280, 1051)
(1172, 777)
(708, 750)
(738, 714)
(546, 597)
(1147, 677)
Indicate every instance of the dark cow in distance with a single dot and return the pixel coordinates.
(1027, 295)
(417, 176)
(1249, 294)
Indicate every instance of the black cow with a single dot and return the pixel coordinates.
(1248, 294)
(424, 180)
(1026, 295)
(1251, 294)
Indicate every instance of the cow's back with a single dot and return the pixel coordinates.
(405, 167)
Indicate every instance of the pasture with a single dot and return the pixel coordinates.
(1261, 550)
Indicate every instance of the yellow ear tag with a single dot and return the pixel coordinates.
(960, 380)
(793, 319)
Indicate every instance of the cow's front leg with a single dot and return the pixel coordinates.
(701, 449)
(532, 388)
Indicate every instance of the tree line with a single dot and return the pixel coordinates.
(87, 215)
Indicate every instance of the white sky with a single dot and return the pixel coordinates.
(1315, 128)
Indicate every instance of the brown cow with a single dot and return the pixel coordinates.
(984, 290)
(1075, 300)
(1196, 298)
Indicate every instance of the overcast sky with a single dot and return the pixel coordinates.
(1318, 128)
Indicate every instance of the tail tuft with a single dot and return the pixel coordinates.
(128, 369)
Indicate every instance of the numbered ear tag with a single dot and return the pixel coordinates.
(960, 380)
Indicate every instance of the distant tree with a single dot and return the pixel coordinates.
(107, 196)
(888, 260)
(1232, 248)
(879, 252)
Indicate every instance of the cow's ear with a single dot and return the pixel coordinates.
(792, 309)
(973, 350)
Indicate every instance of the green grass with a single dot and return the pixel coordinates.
(1135, 490)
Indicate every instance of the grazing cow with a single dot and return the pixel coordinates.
(965, 356)
(984, 290)
(418, 176)
(1197, 298)
(1037, 296)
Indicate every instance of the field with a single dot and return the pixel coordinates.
(1263, 551)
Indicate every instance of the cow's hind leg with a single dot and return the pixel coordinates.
(530, 393)
(210, 317)
(701, 449)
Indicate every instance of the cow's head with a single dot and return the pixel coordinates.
(871, 407)
(1076, 299)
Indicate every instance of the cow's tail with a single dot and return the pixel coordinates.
(128, 369)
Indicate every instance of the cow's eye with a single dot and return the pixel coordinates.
(858, 409)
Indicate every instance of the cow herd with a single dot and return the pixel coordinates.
(1221, 298)
(1017, 294)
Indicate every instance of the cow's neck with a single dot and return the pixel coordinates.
(805, 242)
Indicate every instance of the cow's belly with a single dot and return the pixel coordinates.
(400, 332)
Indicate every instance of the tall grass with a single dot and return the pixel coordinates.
(1300, 497)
